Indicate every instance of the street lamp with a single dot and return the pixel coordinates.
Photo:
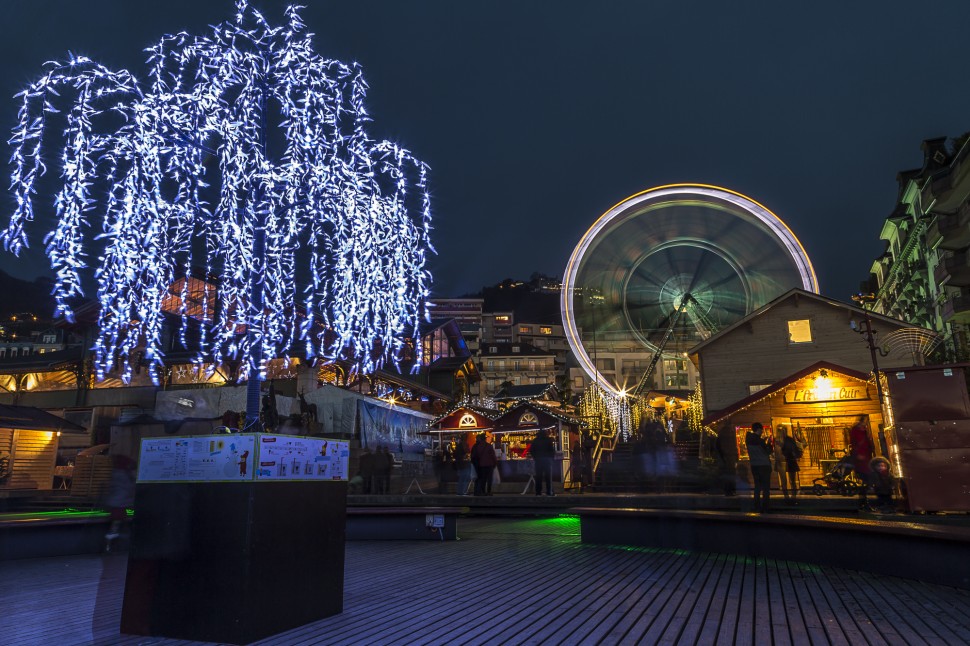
(870, 335)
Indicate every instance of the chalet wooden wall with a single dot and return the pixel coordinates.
(759, 352)
(33, 456)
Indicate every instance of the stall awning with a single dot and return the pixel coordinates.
(34, 419)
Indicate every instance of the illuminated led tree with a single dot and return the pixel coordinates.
(244, 153)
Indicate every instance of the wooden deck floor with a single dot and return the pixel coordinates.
(517, 581)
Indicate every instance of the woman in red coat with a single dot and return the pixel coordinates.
(862, 452)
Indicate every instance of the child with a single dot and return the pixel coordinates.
(883, 484)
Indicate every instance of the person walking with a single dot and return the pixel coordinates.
(365, 469)
(727, 452)
(484, 460)
(791, 450)
(543, 451)
(462, 467)
(759, 458)
(577, 470)
(778, 464)
(861, 447)
(387, 468)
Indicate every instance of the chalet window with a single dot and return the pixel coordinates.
(754, 388)
(799, 331)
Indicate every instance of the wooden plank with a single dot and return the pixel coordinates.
(731, 614)
(814, 627)
(537, 586)
(780, 632)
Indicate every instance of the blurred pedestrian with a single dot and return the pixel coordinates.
(792, 450)
(543, 451)
(577, 470)
(883, 484)
(120, 496)
(462, 466)
(759, 458)
(484, 460)
(727, 453)
(387, 468)
(365, 469)
(862, 451)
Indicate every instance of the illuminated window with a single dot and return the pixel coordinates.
(800, 331)
(545, 330)
(578, 383)
(506, 320)
(515, 348)
(524, 329)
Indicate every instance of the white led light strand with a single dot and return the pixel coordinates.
(349, 213)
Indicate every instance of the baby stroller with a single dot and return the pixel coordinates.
(840, 479)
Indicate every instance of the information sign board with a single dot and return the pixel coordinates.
(198, 458)
(242, 457)
(288, 457)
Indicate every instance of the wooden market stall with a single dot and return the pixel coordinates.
(818, 405)
(28, 447)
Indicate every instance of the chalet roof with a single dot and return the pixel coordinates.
(516, 418)
(717, 416)
(455, 419)
(791, 294)
(35, 419)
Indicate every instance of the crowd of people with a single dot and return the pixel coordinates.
(780, 452)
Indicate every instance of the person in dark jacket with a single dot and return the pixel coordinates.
(883, 484)
(543, 451)
(727, 453)
(462, 466)
(365, 469)
(791, 451)
(759, 457)
(484, 460)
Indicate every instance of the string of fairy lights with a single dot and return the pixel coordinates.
(174, 173)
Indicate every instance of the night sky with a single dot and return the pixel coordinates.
(536, 117)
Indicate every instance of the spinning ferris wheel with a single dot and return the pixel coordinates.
(665, 269)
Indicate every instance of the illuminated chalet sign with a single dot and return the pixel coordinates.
(817, 395)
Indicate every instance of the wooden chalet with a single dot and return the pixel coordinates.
(817, 404)
(28, 447)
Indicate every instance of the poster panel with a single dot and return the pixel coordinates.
(198, 458)
(397, 429)
(290, 457)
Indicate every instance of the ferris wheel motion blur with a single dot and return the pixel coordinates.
(667, 268)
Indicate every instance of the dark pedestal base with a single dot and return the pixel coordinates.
(234, 562)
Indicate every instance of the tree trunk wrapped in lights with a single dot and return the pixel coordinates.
(244, 153)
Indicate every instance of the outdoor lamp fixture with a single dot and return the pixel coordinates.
(870, 337)
(823, 385)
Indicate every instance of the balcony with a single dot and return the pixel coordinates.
(956, 267)
(952, 230)
(956, 309)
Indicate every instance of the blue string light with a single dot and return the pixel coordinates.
(178, 171)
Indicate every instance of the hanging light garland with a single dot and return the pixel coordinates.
(179, 174)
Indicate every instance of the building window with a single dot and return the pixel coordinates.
(493, 350)
(578, 383)
(41, 351)
(545, 330)
(504, 320)
(606, 364)
(532, 364)
(523, 329)
(516, 365)
(515, 348)
(50, 338)
(799, 331)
